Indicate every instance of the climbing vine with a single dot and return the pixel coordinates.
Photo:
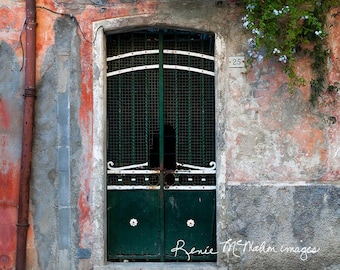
(283, 29)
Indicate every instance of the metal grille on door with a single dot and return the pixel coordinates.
(161, 144)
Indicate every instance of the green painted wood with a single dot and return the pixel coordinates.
(126, 241)
(161, 141)
(190, 217)
(160, 116)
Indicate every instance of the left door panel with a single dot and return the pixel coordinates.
(133, 224)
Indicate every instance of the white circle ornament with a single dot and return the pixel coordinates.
(190, 223)
(133, 222)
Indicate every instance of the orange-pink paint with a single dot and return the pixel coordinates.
(8, 213)
(5, 118)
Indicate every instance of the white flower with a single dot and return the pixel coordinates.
(260, 58)
(256, 31)
(253, 54)
(250, 7)
(283, 58)
(245, 24)
(251, 43)
(318, 33)
(275, 12)
(304, 17)
(276, 50)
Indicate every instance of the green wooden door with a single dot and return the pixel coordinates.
(161, 146)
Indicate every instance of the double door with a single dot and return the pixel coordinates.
(161, 146)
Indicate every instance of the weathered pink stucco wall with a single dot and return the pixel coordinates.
(289, 139)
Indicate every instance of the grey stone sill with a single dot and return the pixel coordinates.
(158, 266)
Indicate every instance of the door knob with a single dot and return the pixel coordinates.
(133, 222)
(190, 223)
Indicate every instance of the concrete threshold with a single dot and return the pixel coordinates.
(159, 266)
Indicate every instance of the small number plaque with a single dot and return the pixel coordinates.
(236, 62)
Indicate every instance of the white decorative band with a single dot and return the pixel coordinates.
(199, 55)
(150, 187)
(134, 187)
(193, 169)
(145, 52)
(139, 169)
(145, 67)
(130, 169)
(130, 54)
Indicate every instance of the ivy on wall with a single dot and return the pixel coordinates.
(283, 29)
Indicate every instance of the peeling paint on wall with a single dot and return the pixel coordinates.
(267, 134)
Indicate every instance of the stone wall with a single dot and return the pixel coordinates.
(282, 227)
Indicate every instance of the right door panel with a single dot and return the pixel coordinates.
(190, 223)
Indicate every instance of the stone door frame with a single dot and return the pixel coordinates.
(98, 179)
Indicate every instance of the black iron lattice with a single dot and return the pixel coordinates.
(133, 105)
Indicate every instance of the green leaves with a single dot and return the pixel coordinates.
(282, 27)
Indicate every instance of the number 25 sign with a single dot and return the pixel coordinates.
(236, 62)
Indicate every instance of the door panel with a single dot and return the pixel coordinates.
(190, 217)
(161, 144)
(134, 224)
